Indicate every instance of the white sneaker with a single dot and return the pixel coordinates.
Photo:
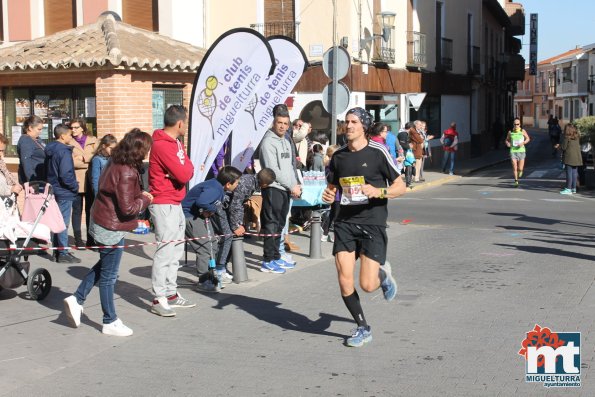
(117, 328)
(225, 277)
(288, 258)
(162, 308)
(73, 310)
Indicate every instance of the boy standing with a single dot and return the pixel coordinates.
(60, 174)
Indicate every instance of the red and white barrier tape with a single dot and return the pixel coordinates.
(135, 245)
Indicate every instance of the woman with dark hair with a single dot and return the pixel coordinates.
(571, 157)
(115, 211)
(31, 151)
(99, 161)
(84, 146)
(96, 167)
(378, 133)
(315, 159)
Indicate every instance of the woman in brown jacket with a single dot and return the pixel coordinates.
(116, 209)
(416, 143)
(571, 157)
(84, 146)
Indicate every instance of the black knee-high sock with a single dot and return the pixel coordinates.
(355, 308)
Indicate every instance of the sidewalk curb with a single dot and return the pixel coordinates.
(449, 178)
(437, 182)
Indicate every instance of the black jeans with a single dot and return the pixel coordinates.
(275, 205)
(77, 215)
(408, 174)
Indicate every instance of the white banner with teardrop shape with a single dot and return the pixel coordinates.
(231, 72)
(256, 119)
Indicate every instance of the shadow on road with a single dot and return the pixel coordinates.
(541, 221)
(269, 311)
(549, 251)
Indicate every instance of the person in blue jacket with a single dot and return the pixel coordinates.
(60, 174)
(202, 207)
(391, 142)
(31, 151)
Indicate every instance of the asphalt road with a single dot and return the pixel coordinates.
(478, 263)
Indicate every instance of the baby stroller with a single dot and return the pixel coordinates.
(15, 238)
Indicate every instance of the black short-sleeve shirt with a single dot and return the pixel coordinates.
(349, 170)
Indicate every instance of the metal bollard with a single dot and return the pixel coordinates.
(315, 235)
(238, 261)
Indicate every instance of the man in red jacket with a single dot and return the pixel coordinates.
(169, 171)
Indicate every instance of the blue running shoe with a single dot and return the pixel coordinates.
(388, 284)
(566, 191)
(283, 264)
(359, 336)
(271, 267)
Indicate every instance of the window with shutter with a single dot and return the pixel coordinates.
(279, 18)
(141, 13)
(59, 15)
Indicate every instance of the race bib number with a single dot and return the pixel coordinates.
(517, 142)
(352, 190)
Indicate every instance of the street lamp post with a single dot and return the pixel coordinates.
(386, 19)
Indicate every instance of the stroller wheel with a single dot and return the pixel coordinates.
(39, 284)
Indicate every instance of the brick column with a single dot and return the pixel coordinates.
(122, 103)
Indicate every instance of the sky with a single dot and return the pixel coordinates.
(562, 25)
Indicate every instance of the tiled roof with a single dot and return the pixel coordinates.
(103, 43)
(561, 56)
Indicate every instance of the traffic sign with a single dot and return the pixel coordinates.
(343, 63)
(342, 97)
(416, 99)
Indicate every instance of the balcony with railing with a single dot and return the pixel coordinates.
(385, 50)
(267, 29)
(445, 54)
(416, 49)
(473, 67)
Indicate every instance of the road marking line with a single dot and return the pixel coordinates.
(537, 174)
(451, 198)
(506, 199)
(562, 200)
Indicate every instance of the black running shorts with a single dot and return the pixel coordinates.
(368, 240)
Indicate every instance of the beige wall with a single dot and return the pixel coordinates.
(228, 14)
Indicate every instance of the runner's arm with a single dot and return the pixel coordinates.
(527, 138)
(328, 195)
(397, 188)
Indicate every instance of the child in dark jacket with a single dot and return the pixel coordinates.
(203, 209)
(247, 185)
(60, 174)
